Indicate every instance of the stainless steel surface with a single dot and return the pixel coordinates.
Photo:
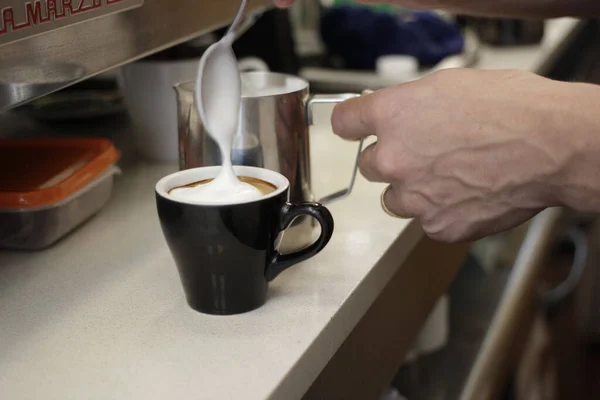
(84, 47)
(273, 134)
(23, 19)
(39, 228)
(21, 82)
(499, 351)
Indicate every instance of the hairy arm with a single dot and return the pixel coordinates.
(503, 8)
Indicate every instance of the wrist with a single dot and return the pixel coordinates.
(576, 183)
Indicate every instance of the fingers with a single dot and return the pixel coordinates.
(391, 203)
(355, 118)
(397, 199)
(364, 92)
(367, 163)
(381, 163)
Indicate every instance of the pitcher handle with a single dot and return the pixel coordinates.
(329, 99)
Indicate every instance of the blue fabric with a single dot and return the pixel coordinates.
(360, 35)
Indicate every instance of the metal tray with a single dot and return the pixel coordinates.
(37, 229)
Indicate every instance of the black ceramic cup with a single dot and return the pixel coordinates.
(226, 254)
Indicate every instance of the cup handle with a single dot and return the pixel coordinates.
(328, 99)
(289, 212)
(250, 64)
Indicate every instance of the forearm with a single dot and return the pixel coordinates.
(508, 8)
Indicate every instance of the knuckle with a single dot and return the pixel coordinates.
(392, 162)
(387, 166)
(440, 231)
(386, 104)
(437, 75)
(437, 236)
(517, 73)
(380, 110)
(412, 202)
(366, 170)
(452, 76)
(444, 75)
(366, 156)
(367, 115)
(440, 236)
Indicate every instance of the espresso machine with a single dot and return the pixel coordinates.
(47, 45)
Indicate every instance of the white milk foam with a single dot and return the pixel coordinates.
(220, 92)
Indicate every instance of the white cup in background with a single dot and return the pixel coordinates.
(147, 88)
(250, 64)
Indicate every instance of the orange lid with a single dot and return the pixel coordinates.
(41, 172)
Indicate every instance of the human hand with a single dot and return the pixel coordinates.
(467, 152)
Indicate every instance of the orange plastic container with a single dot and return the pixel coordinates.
(49, 186)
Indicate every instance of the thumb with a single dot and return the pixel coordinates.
(354, 118)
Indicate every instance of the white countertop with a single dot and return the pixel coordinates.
(102, 315)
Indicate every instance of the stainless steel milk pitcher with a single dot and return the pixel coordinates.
(273, 133)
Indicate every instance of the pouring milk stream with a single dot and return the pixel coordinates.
(218, 98)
